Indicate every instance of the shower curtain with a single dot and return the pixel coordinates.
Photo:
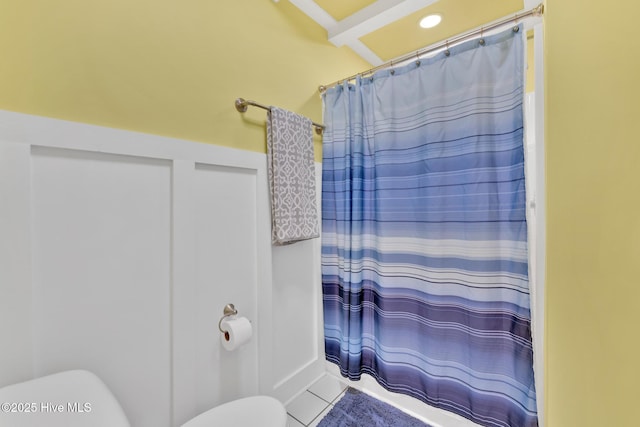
(424, 236)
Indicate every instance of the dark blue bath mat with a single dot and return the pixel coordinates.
(357, 409)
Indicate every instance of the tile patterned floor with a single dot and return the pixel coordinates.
(311, 406)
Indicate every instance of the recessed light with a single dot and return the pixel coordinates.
(430, 21)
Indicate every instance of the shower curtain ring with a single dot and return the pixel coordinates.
(447, 52)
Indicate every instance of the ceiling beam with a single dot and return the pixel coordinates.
(373, 17)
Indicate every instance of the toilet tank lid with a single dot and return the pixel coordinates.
(71, 399)
(256, 411)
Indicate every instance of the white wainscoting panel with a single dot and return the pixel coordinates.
(297, 316)
(226, 272)
(15, 263)
(101, 273)
(290, 287)
(118, 253)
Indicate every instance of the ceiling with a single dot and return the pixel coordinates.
(382, 30)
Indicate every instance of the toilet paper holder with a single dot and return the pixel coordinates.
(229, 310)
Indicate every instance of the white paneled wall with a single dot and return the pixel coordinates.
(15, 263)
(226, 271)
(118, 252)
(297, 315)
(101, 273)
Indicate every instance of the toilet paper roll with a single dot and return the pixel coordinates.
(239, 331)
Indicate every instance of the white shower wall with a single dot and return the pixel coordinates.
(118, 252)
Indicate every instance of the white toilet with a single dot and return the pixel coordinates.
(253, 411)
(92, 404)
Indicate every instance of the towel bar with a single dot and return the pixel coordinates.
(242, 105)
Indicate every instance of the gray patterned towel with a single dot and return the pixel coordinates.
(292, 178)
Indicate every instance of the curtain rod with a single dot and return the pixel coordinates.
(535, 12)
(242, 105)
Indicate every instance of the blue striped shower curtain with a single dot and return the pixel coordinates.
(424, 235)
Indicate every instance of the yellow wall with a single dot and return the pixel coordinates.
(593, 230)
(166, 67)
